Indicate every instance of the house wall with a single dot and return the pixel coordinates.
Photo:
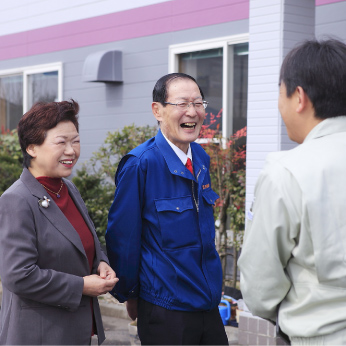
(275, 30)
(106, 107)
(166, 17)
(34, 32)
(331, 20)
(24, 15)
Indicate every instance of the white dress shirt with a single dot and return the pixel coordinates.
(182, 156)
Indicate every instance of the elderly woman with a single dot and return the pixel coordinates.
(52, 267)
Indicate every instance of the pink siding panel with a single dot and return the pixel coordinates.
(145, 21)
(326, 2)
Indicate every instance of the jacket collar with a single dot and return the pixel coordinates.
(327, 127)
(53, 212)
(174, 163)
(182, 156)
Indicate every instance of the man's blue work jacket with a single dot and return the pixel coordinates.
(161, 235)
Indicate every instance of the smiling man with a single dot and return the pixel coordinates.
(160, 235)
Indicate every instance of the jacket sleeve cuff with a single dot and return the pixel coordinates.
(132, 294)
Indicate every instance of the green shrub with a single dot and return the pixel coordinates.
(10, 170)
(10, 159)
(97, 195)
(95, 180)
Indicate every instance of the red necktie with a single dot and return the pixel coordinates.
(188, 165)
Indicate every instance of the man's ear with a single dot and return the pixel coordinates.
(31, 150)
(157, 110)
(302, 100)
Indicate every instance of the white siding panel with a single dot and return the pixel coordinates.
(263, 139)
(260, 8)
(330, 14)
(264, 45)
(335, 30)
(267, 27)
(258, 4)
(262, 148)
(296, 29)
(275, 27)
(145, 58)
(269, 79)
(331, 21)
(271, 18)
(266, 87)
(262, 105)
(252, 181)
(299, 29)
(255, 168)
(295, 18)
(264, 96)
(259, 157)
(264, 71)
(273, 61)
(23, 15)
(262, 54)
(272, 113)
(259, 36)
(264, 131)
(260, 121)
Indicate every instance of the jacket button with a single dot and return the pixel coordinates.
(177, 208)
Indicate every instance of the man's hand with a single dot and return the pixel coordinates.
(105, 271)
(132, 308)
(95, 285)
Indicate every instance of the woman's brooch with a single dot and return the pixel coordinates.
(44, 202)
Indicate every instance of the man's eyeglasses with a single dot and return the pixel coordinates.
(185, 105)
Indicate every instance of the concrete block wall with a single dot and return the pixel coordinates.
(253, 330)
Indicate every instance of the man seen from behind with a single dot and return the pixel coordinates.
(293, 258)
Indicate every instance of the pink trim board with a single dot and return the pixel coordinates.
(154, 19)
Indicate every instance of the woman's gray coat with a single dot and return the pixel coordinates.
(42, 264)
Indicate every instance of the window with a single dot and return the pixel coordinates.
(206, 67)
(221, 69)
(21, 88)
(11, 101)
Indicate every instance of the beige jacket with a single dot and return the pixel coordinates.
(294, 253)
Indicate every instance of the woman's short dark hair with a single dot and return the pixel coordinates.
(319, 67)
(43, 116)
(160, 89)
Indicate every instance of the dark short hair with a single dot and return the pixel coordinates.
(319, 67)
(43, 116)
(161, 86)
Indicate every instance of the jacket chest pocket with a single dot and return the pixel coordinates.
(178, 222)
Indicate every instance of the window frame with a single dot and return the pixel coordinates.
(25, 71)
(227, 44)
